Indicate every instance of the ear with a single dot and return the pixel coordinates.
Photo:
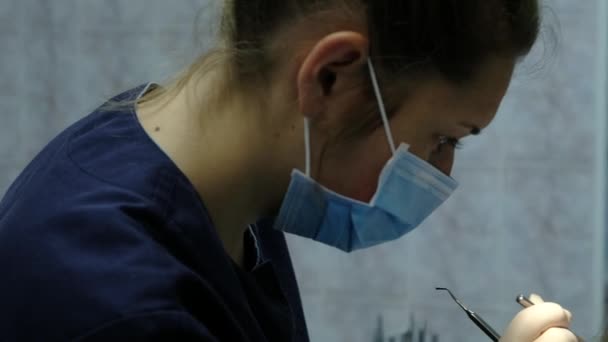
(334, 56)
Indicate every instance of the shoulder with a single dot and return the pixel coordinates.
(69, 270)
(78, 232)
(101, 234)
(74, 260)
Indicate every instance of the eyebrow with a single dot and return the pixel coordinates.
(474, 129)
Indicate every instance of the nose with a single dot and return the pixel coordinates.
(443, 159)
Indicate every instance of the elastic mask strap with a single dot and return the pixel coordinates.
(307, 143)
(387, 126)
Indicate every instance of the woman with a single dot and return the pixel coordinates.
(161, 215)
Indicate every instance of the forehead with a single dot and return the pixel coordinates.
(477, 100)
(482, 96)
(434, 100)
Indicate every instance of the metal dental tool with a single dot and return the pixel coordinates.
(485, 327)
(524, 301)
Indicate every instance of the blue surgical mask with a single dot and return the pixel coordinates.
(409, 190)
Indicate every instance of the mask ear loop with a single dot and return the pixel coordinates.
(385, 120)
(307, 144)
(387, 126)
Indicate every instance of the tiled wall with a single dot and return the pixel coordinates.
(60, 59)
(528, 215)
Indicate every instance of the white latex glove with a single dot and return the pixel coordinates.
(542, 322)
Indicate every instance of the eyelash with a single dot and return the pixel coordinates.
(455, 143)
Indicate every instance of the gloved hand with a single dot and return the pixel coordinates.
(542, 322)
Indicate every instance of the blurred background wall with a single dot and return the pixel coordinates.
(529, 216)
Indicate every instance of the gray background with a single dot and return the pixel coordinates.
(529, 215)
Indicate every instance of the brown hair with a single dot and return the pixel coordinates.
(449, 37)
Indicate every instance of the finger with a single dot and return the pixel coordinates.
(557, 335)
(569, 314)
(530, 323)
(536, 299)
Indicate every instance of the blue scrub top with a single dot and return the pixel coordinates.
(102, 238)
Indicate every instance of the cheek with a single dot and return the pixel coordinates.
(366, 190)
(366, 179)
(353, 171)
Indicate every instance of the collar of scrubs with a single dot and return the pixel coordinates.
(146, 88)
(252, 254)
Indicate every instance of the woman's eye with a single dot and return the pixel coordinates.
(449, 141)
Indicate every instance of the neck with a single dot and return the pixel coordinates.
(225, 152)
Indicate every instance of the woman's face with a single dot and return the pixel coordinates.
(432, 119)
